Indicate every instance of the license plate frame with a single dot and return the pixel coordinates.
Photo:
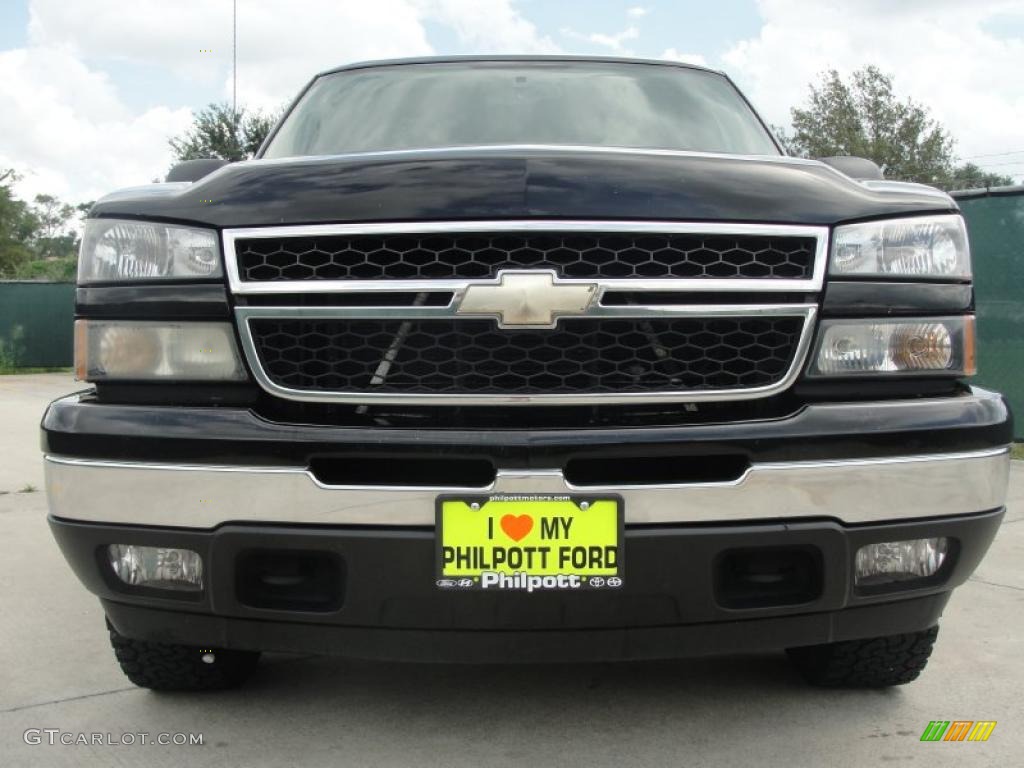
(603, 528)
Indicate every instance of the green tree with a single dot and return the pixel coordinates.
(970, 176)
(221, 132)
(18, 225)
(53, 237)
(38, 240)
(863, 117)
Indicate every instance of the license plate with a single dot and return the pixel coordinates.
(529, 543)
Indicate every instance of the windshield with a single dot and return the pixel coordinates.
(418, 106)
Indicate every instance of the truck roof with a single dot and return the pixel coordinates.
(514, 58)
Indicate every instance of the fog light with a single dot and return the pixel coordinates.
(891, 561)
(157, 567)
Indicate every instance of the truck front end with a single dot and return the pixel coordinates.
(536, 360)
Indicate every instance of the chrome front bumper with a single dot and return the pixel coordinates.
(205, 496)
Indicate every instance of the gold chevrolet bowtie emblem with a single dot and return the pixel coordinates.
(527, 299)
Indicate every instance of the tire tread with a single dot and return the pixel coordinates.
(173, 667)
(875, 662)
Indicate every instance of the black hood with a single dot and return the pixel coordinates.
(522, 183)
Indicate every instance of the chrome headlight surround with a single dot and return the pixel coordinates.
(912, 247)
(122, 250)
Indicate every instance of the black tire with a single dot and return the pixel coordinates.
(171, 667)
(874, 662)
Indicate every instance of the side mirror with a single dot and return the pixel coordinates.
(859, 168)
(194, 170)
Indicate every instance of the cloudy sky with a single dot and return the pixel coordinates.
(90, 90)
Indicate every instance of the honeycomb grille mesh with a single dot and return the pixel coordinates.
(580, 356)
(482, 255)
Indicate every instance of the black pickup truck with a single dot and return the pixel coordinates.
(525, 359)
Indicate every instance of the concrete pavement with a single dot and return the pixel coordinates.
(57, 671)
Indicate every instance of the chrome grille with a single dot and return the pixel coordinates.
(516, 312)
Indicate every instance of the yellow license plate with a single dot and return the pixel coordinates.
(529, 542)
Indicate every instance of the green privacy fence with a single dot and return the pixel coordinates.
(36, 324)
(995, 220)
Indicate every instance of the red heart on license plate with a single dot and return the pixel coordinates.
(516, 527)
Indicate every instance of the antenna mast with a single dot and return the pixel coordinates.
(234, 56)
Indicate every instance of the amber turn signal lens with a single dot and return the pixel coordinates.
(81, 350)
(970, 361)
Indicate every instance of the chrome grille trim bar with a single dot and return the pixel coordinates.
(814, 283)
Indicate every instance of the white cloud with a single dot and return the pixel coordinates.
(614, 42)
(687, 58)
(488, 26)
(637, 12)
(280, 45)
(940, 52)
(272, 67)
(65, 130)
(151, 31)
(68, 131)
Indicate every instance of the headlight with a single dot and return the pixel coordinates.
(130, 350)
(925, 246)
(115, 250)
(942, 345)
